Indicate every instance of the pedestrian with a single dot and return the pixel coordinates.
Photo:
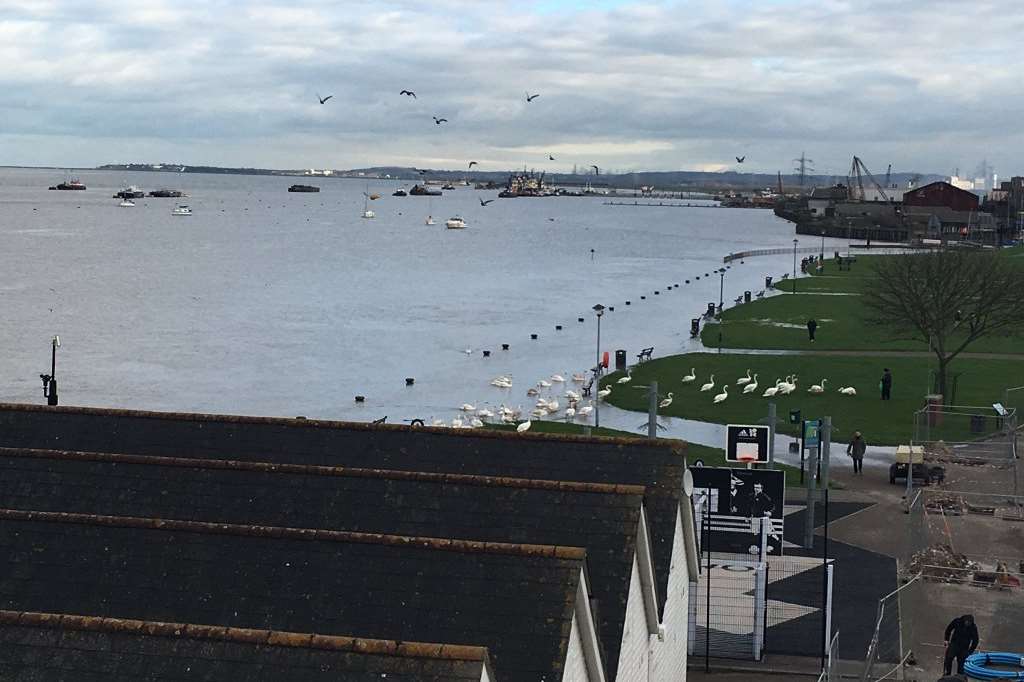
(812, 325)
(856, 450)
(961, 640)
(886, 384)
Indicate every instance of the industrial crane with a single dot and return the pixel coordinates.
(858, 171)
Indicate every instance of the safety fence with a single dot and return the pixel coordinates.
(830, 670)
(887, 653)
(727, 610)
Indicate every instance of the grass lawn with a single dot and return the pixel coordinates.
(779, 322)
(712, 457)
(981, 382)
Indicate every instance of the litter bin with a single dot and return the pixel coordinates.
(711, 310)
(977, 423)
(620, 360)
(746, 297)
(794, 448)
(694, 327)
(767, 282)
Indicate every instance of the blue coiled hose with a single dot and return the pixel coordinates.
(975, 664)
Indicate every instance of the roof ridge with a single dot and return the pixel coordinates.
(322, 470)
(203, 527)
(303, 422)
(280, 638)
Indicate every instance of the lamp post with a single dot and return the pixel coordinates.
(721, 289)
(823, 246)
(794, 264)
(599, 309)
(50, 380)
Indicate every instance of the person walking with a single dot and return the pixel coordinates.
(886, 384)
(812, 326)
(856, 450)
(961, 640)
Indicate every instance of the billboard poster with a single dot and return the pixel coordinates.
(736, 500)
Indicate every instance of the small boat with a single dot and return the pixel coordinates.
(166, 193)
(182, 209)
(455, 223)
(367, 213)
(420, 191)
(74, 183)
(126, 203)
(430, 221)
(448, 186)
(130, 192)
(399, 193)
(303, 188)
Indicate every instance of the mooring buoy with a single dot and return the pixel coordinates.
(504, 346)
(533, 336)
(360, 398)
(409, 381)
(558, 327)
(487, 353)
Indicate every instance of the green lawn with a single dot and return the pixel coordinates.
(779, 322)
(981, 382)
(712, 457)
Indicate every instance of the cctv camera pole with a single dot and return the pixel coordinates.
(51, 392)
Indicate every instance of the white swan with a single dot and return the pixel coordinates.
(476, 423)
(667, 401)
(586, 409)
(818, 388)
(539, 413)
(484, 413)
(692, 376)
(771, 391)
(742, 381)
(579, 377)
(569, 413)
(525, 426)
(532, 392)
(544, 383)
(558, 378)
(572, 395)
(787, 386)
(466, 407)
(723, 395)
(626, 379)
(752, 386)
(708, 386)
(604, 392)
(553, 406)
(849, 390)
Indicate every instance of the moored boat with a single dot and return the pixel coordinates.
(455, 223)
(399, 193)
(72, 184)
(167, 193)
(182, 209)
(420, 191)
(303, 188)
(130, 192)
(126, 203)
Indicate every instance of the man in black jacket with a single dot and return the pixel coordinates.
(961, 641)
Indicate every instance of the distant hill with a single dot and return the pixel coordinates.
(665, 180)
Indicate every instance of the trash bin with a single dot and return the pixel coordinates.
(794, 448)
(620, 360)
(746, 297)
(767, 282)
(794, 417)
(977, 423)
(694, 327)
(711, 310)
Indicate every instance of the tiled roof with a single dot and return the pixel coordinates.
(48, 647)
(601, 518)
(515, 600)
(656, 465)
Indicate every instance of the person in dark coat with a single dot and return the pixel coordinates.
(961, 640)
(812, 325)
(856, 450)
(886, 384)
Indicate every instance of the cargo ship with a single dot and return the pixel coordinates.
(303, 188)
(166, 193)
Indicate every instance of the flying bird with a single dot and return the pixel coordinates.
(740, 159)
(323, 99)
(472, 163)
(530, 98)
(597, 171)
(550, 158)
(439, 121)
(484, 203)
(410, 93)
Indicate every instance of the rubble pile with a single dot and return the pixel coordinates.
(941, 564)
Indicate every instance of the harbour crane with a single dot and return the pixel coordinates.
(855, 181)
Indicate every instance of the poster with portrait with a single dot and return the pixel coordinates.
(736, 499)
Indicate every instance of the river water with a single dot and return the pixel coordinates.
(266, 302)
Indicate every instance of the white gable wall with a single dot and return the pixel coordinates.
(575, 663)
(634, 653)
(669, 654)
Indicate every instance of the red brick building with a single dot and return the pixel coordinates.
(942, 194)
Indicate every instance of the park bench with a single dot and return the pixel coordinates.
(585, 389)
(644, 354)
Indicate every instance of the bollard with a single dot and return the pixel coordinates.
(409, 381)
(504, 346)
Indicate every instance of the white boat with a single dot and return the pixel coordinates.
(455, 223)
(430, 221)
(182, 210)
(126, 203)
(367, 213)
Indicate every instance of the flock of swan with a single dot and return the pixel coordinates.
(750, 386)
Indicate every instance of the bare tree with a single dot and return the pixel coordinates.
(948, 299)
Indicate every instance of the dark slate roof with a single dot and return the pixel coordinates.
(46, 647)
(603, 519)
(515, 600)
(657, 465)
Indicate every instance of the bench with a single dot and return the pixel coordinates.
(585, 389)
(644, 354)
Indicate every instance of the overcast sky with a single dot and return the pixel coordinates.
(926, 86)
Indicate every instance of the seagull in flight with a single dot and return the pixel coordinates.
(439, 121)
(740, 159)
(530, 98)
(323, 99)
(484, 203)
(472, 163)
(550, 158)
(410, 93)
(597, 171)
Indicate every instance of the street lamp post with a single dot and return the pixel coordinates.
(599, 309)
(721, 289)
(794, 264)
(822, 246)
(50, 380)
